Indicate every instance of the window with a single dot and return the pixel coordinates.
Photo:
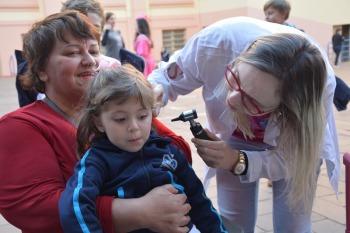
(173, 39)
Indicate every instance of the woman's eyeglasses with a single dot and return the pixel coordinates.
(248, 102)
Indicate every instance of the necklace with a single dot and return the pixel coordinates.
(58, 110)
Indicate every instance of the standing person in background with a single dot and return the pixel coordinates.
(143, 44)
(342, 90)
(337, 40)
(112, 39)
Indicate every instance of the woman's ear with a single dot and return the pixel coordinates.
(43, 76)
(99, 124)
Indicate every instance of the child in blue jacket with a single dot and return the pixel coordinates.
(124, 157)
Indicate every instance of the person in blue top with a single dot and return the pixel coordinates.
(124, 157)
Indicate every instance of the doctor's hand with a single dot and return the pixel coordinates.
(158, 99)
(216, 153)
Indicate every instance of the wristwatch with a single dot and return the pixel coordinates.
(241, 167)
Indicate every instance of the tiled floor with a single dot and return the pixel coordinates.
(328, 213)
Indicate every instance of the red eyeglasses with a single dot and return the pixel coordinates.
(248, 102)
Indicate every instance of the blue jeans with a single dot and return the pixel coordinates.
(238, 206)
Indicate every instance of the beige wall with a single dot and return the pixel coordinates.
(315, 17)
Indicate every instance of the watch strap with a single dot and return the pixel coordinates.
(241, 167)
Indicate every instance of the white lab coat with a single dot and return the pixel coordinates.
(203, 61)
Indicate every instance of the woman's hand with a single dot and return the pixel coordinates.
(158, 92)
(216, 153)
(166, 210)
(160, 210)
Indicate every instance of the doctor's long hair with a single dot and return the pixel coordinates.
(301, 70)
(114, 84)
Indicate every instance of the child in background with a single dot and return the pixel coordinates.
(277, 11)
(124, 157)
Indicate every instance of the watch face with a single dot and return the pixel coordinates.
(239, 169)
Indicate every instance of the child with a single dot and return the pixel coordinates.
(277, 11)
(126, 158)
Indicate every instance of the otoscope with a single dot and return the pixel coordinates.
(196, 128)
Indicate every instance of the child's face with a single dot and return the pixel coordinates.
(127, 125)
(274, 16)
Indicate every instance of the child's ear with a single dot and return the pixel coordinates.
(99, 124)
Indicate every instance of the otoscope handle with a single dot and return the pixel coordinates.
(199, 132)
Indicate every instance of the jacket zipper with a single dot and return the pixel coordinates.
(145, 170)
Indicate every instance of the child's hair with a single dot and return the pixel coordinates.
(282, 6)
(84, 6)
(115, 84)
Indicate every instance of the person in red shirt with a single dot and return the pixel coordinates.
(38, 149)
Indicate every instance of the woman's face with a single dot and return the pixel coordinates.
(261, 90)
(111, 20)
(70, 68)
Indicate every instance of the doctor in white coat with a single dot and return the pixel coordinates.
(268, 99)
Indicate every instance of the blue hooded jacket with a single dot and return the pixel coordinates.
(107, 170)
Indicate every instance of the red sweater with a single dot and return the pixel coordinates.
(37, 156)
